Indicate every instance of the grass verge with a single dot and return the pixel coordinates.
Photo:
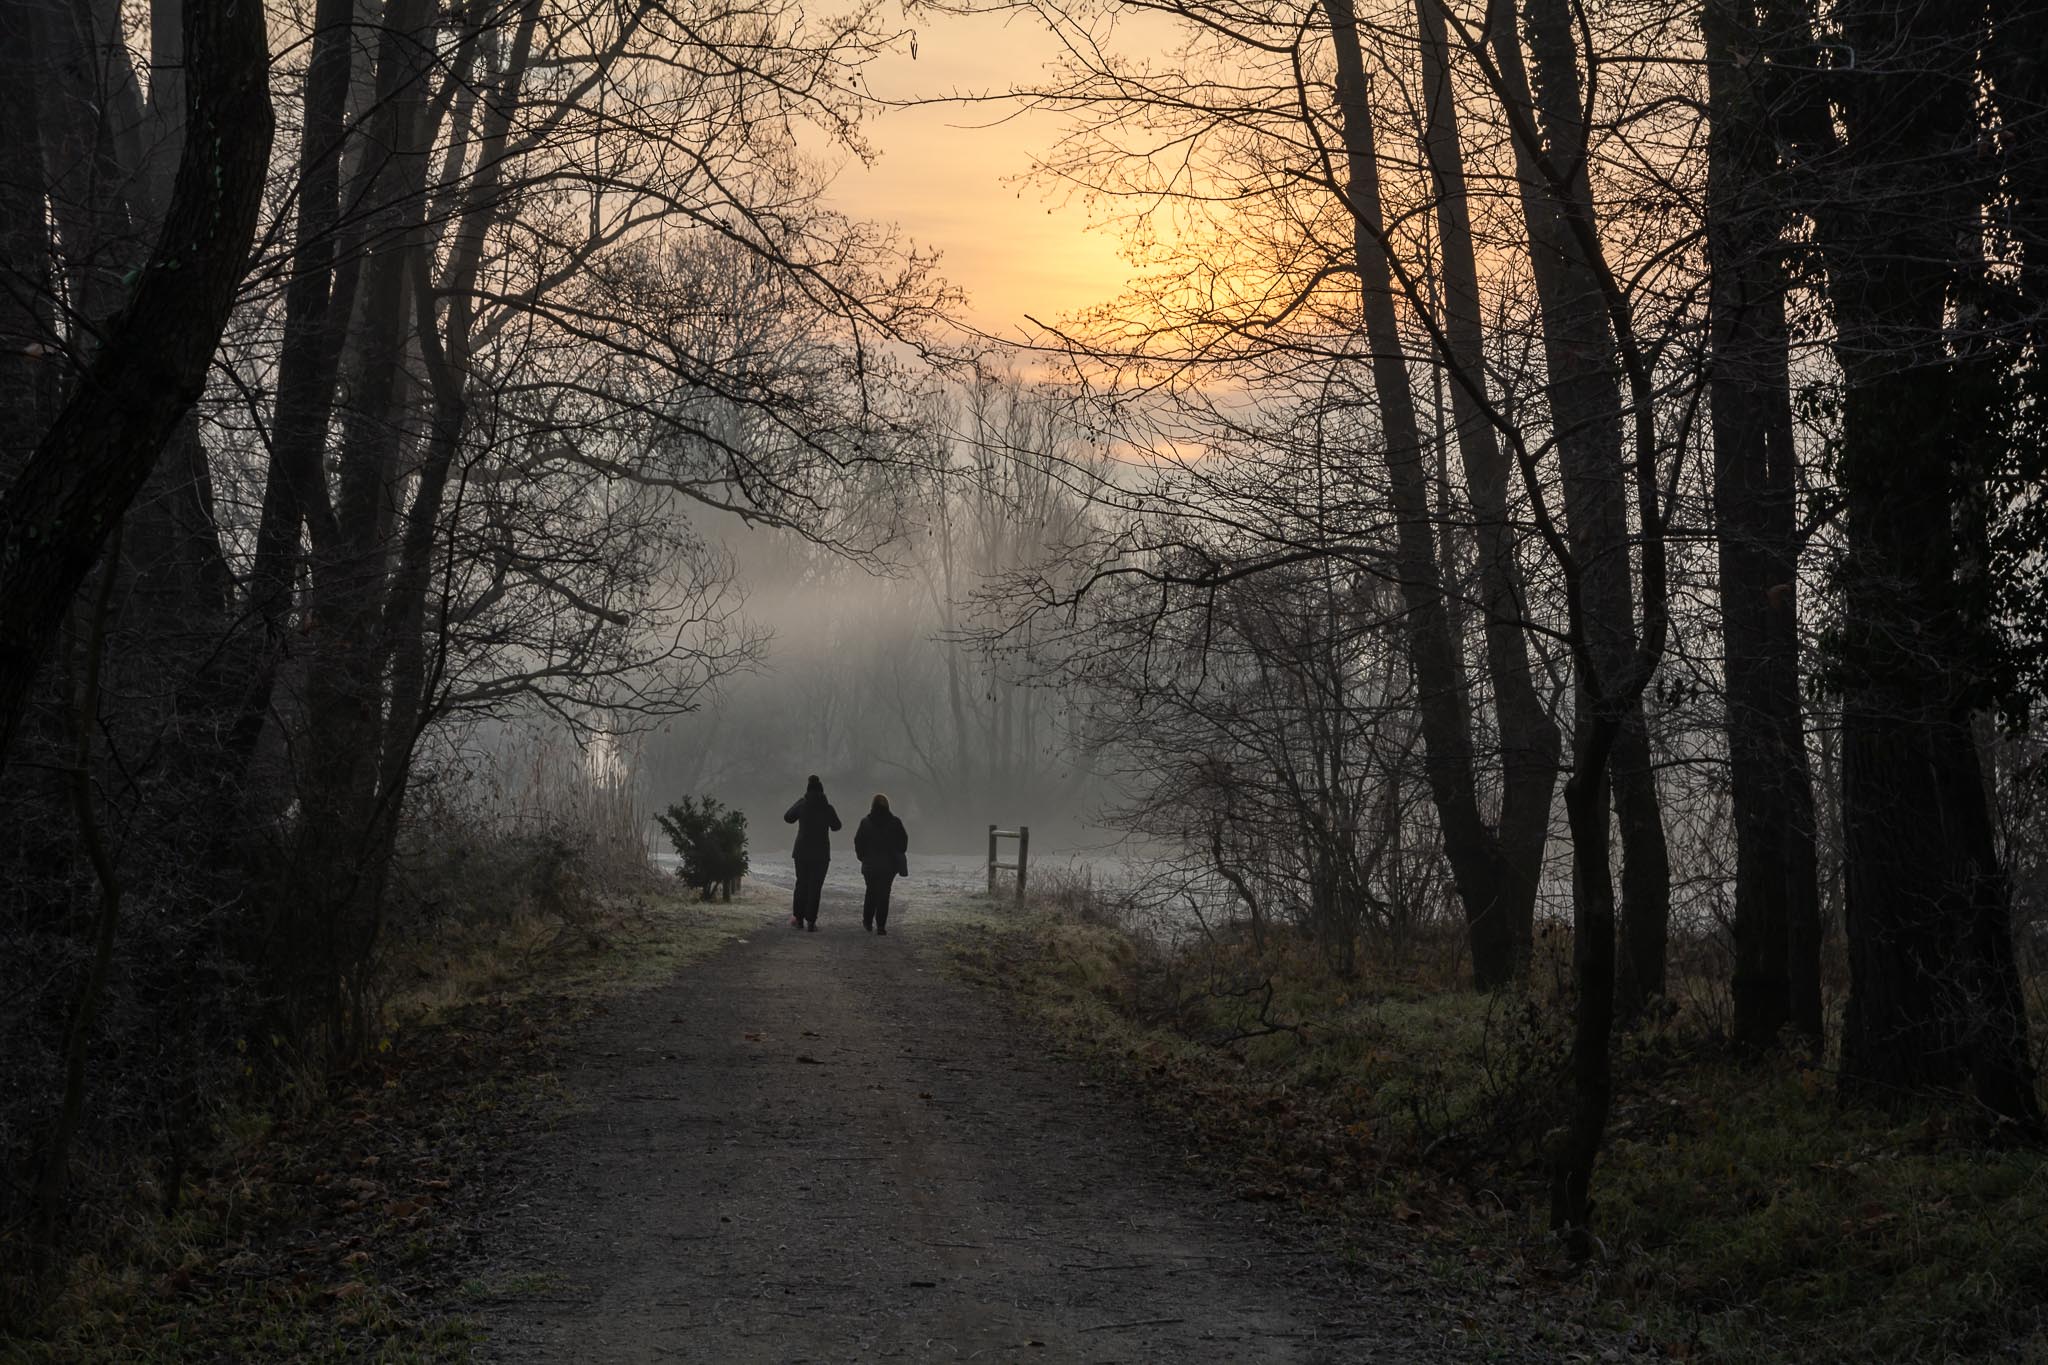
(1746, 1212)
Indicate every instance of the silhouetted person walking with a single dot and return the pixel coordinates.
(883, 847)
(815, 820)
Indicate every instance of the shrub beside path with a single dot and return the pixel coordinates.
(823, 1147)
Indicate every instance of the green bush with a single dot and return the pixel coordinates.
(710, 842)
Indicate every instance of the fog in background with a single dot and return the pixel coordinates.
(882, 671)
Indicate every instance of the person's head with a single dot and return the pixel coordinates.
(881, 804)
(814, 787)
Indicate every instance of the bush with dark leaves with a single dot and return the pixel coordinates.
(710, 843)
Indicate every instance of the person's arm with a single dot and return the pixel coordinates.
(902, 839)
(835, 817)
(789, 817)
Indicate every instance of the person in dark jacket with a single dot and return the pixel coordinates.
(815, 820)
(883, 847)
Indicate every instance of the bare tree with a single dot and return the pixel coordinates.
(149, 368)
(1598, 429)
(1496, 867)
(540, 290)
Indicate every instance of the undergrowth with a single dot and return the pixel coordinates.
(326, 1221)
(1745, 1212)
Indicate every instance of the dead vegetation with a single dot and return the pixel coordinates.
(330, 1219)
(1749, 1212)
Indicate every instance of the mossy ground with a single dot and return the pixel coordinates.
(1745, 1211)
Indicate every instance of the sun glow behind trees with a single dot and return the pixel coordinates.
(960, 162)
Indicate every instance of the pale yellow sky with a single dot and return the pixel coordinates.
(952, 177)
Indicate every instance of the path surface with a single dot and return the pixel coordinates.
(817, 1147)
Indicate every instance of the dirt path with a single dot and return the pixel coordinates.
(820, 1147)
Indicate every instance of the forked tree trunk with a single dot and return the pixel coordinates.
(338, 859)
(1433, 653)
(1591, 347)
(1530, 741)
(1777, 894)
(295, 490)
(410, 664)
(1583, 382)
(1495, 868)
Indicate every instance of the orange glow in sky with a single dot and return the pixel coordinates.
(953, 176)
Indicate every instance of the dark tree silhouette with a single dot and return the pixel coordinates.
(1750, 200)
(56, 516)
(1934, 992)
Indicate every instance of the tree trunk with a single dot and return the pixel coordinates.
(1590, 346)
(1487, 887)
(1777, 895)
(445, 350)
(339, 858)
(1933, 985)
(27, 337)
(54, 1179)
(295, 487)
(1583, 384)
(55, 518)
(1530, 741)
(1593, 970)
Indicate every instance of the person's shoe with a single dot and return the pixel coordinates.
(812, 926)
(881, 929)
(868, 925)
(795, 922)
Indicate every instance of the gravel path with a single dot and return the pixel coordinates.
(818, 1147)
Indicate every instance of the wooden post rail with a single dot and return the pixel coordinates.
(1022, 834)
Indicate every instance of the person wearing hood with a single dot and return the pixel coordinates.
(815, 820)
(883, 847)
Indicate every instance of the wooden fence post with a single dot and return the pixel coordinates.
(1023, 850)
(991, 862)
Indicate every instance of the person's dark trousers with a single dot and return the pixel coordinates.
(810, 885)
(875, 909)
